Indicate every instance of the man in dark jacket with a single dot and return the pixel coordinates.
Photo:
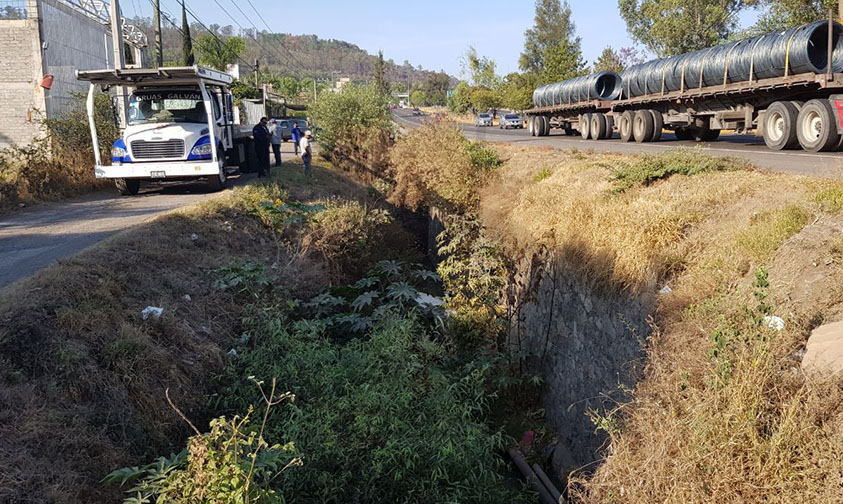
(262, 136)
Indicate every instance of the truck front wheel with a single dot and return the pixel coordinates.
(216, 182)
(127, 187)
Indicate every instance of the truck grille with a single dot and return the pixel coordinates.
(141, 149)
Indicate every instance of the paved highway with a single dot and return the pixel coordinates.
(826, 164)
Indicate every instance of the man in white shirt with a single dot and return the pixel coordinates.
(275, 131)
(306, 151)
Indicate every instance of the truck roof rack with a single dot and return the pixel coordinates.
(153, 76)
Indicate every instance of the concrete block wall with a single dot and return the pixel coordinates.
(22, 99)
(586, 343)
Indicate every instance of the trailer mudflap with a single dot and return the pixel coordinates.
(837, 105)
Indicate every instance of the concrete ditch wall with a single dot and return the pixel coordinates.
(586, 344)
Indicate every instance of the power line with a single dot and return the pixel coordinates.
(242, 29)
(169, 18)
(196, 18)
(279, 42)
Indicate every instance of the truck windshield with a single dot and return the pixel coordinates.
(166, 106)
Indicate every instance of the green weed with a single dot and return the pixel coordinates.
(769, 230)
(831, 198)
(648, 168)
(544, 173)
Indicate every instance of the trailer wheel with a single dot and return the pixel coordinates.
(780, 125)
(642, 126)
(658, 125)
(127, 187)
(817, 127)
(710, 135)
(531, 125)
(544, 130)
(597, 126)
(610, 126)
(625, 125)
(585, 126)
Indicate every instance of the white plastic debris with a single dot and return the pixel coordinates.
(232, 352)
(187, 298)
(152, 311)
(665, 290)
(194, 236)
(774, 322)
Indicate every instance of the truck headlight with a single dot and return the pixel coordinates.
(118, 152)
(201, 150)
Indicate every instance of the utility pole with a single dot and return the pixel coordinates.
(257, 72)
(159, 47)
(119, 60)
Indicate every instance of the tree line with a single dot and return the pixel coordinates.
(552, 49)
(295, 65)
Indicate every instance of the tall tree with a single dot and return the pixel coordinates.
(517, 90)
(562, 61)
(187, 43)
(379, 76)
(436, 88)
(669, 27)
(480, 70)
(608, 60)
(553, 24)
(781, 14)
(219, 53)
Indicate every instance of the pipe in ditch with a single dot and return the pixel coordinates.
(557, 495)
(531, 477)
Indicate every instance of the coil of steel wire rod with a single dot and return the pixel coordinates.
(801, 49)
(597, 86)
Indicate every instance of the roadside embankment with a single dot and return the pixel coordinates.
(667, 300)
(83, 372)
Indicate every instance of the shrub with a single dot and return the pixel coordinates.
(474, 272)
(378, 419)
(435, 165)
(61, 163)
(356, 128)
(648, 168)
(232, 463)
(348, 235)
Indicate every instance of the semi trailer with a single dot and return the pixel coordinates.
(180, 125)
(786, 87)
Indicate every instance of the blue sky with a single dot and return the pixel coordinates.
(434, 33)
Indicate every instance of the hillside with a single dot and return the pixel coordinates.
(305, 55)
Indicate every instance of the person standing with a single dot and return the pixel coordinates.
(275, 132)
(306, 151)
(296, 134)
(261, 135)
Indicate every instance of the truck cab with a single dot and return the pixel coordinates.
(179, 125)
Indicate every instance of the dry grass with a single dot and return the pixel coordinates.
(724, 413)
(435, 165)
(82, 376)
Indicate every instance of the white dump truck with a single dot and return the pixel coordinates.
(179, 125)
